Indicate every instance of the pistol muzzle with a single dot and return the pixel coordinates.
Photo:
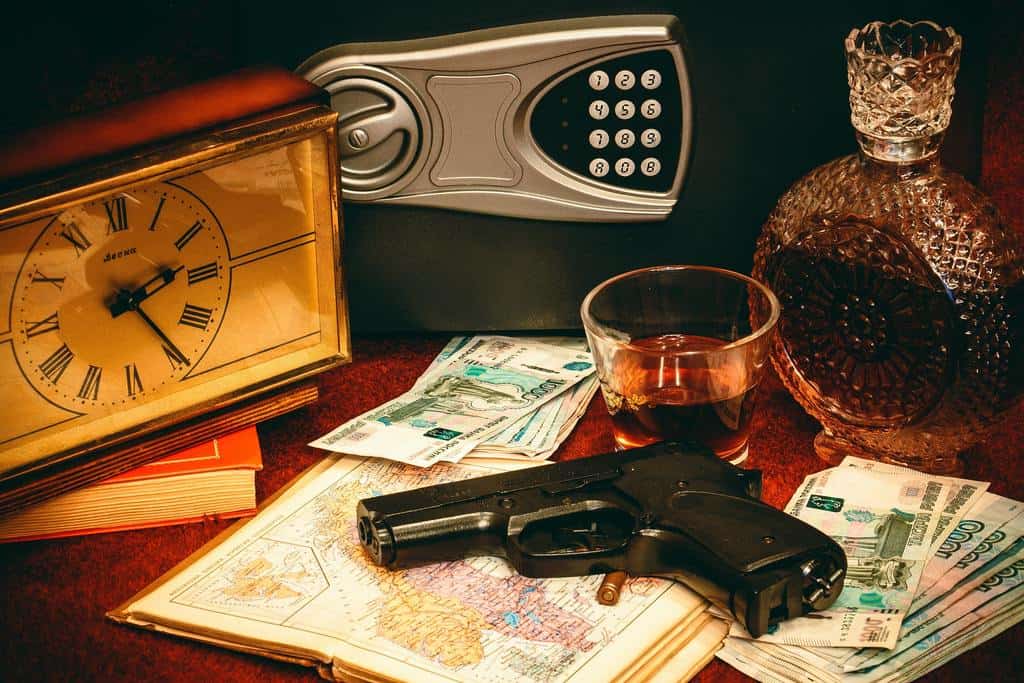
(376, 537)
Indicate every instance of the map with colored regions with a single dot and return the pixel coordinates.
(297, 573)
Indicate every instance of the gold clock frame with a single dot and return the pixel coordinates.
(197, 413)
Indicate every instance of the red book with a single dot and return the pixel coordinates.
(216, 479)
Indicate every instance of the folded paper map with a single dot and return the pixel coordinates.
(294, 583)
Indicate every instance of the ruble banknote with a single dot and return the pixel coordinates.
(1005, 578)
(537, 434)
(963, 494)
(884, 522)
(979, 526)
(972, 589)
(481, 388)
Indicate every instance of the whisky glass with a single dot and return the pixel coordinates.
(680, 351)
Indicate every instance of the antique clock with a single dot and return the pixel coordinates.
(168, 270)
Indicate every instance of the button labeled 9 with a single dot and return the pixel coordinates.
(650, 138)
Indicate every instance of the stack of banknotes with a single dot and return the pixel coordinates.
(486, 396)
(936, 566)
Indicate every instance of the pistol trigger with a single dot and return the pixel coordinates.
(590, 538)
(586, 531)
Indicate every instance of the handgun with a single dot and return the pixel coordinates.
(672, 510)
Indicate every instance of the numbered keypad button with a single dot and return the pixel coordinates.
(598, 139)
(650, 79)
(625, 80)
(598, 109)
(625, 109)
(625, 138)
(598, 80)
(625, 167)
(650, 138)
(649, 167)
(650, 109)
(598, 168)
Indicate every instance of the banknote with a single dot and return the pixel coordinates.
(481, 388)
(1008, 577)
(773, 663)
(966, 568)
(538, 433)
(951, 639)
(978, 537)
(963, 494)
(972, 589)
(884, 522)
(980, 523)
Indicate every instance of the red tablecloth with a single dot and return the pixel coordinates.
(55, 593)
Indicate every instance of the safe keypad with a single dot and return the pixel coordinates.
(617, 122)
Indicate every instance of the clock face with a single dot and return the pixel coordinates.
(146, 304)
(120, 296)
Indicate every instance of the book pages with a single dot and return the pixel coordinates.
(294, 583)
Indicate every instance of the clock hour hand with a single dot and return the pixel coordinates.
(130, 300)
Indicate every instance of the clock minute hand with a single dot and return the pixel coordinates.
(160, 333)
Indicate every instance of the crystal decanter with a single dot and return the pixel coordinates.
(902, 289)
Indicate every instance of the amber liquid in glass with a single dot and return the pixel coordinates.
(671, 401)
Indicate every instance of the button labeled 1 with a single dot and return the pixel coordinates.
(598, 80)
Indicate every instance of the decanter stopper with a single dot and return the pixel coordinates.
(901, 78)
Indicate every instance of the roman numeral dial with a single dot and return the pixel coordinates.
(120, 298)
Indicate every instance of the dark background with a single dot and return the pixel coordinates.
(770, 104)
(56, 61)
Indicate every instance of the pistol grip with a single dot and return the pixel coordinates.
(759, 563)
